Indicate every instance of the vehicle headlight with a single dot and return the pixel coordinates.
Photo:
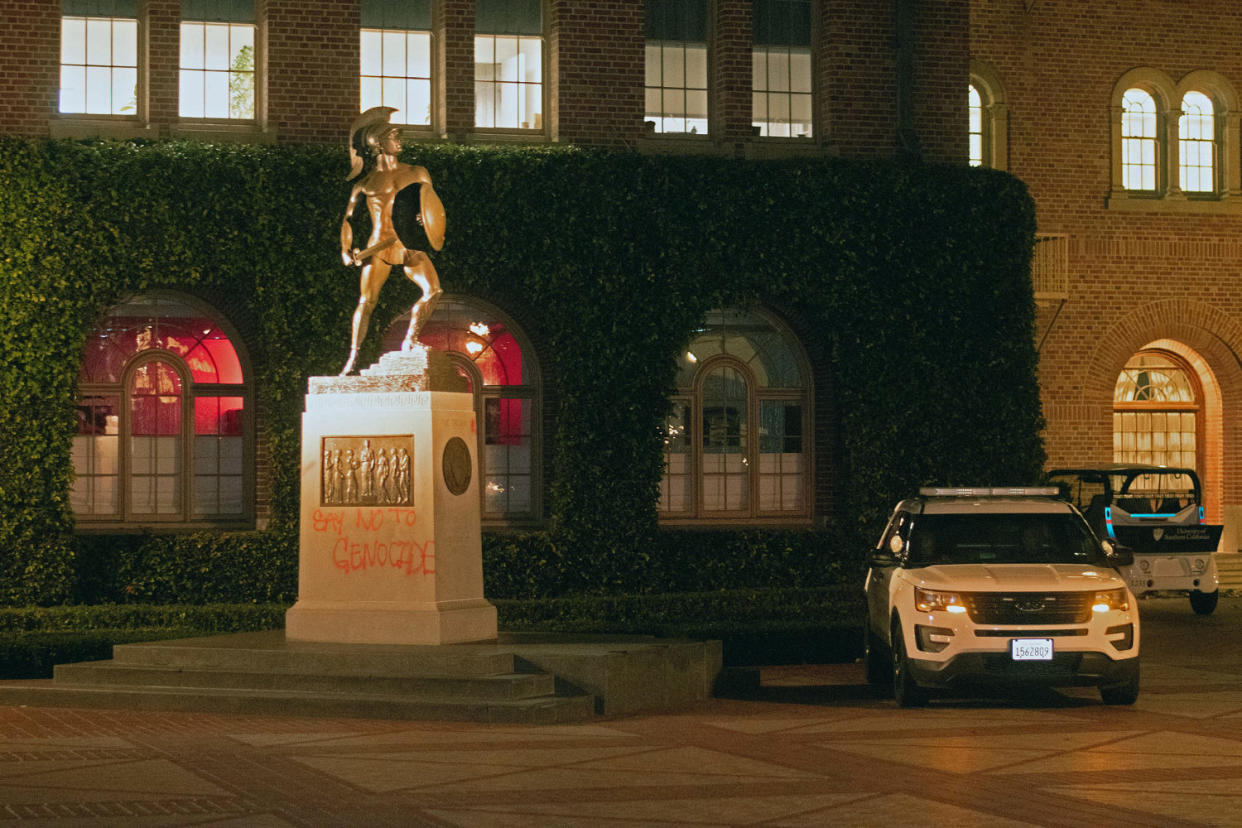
(1111, 599)
(929, 600)
(1198, 566)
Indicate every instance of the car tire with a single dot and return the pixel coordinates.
(876, 660)
(906, 691)
(1124, 693)
(1203, 603)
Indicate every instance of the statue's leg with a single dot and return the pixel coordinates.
(374, 274)
(422, 272)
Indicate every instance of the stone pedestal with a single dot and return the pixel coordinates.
(390, 549)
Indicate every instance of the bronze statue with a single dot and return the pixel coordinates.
(401, 216)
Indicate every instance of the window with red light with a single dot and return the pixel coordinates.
(494, 356)
(162, 419)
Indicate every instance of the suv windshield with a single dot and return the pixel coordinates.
(1001, 539)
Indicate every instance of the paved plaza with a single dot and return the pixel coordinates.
(816, 747)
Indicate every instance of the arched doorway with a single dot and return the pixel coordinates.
(1167, 411)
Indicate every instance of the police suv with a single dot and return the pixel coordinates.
(1004, 585)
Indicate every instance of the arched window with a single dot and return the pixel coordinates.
(1140, 147)
(988, 111)
(1175, 145)
(163, 432)
(1155, 411)
(1197, 144)
(494, 355)
(737, 441)
(975, 107)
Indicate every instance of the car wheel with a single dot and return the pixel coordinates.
(1203, 603)
(1124, 693)
(875, 659)
(906, 691)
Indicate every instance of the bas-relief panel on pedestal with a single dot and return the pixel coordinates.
(367, 471)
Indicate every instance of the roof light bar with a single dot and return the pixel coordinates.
(989, 491)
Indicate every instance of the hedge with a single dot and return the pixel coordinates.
(756, 626)
(908, 283)
(248, 567)
(33, 640)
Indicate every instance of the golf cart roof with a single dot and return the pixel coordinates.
(1125, 468)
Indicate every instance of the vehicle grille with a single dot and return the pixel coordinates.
(1026, 608)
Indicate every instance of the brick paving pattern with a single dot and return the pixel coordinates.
(815, 748)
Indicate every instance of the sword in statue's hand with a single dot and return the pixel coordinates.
(356, 257)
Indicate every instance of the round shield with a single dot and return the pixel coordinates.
(434, 219)
(406, 211)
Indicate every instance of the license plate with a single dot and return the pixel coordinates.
(1031, 649)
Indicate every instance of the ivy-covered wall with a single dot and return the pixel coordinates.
(913, 279)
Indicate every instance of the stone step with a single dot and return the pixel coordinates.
(253, 652)
(505, 686)
(541, 710)
(535, 678)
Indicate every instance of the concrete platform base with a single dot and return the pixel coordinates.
(446, 622)
(524, 678)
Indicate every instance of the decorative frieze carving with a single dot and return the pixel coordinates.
(367, 471)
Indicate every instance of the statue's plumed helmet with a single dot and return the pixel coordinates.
(365, 134)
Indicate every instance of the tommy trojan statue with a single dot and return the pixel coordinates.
(405, 214)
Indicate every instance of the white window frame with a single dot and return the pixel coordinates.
(505, 71)
(778, 37)
(678, 52)
(496, 88)
(993, 115)
(389, 82)
(1225, 194)
(93, 72)
(191, 72)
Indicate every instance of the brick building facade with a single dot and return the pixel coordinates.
(1158, 271)
(1154, 270)
(887, 83)
(308, 57)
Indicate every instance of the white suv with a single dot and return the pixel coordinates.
(998, 585)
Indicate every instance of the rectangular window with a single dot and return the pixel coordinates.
(95, 465)
(396, 59)
(217, 456)
(724, 433)
(508, 64)
(154, 456)
(675, 89)
(1138, 140)
(780, 456)
(217, 59)
(781, 74)
(99, 57)
(1160, 438)
(675, 492)
(507, 456)
(1197, 144)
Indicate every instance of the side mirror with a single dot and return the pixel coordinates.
(1116, 554)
